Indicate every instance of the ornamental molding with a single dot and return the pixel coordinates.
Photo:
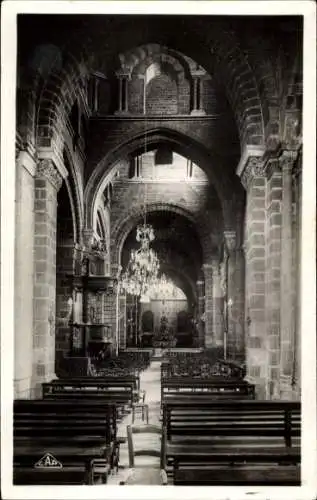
(46, 168)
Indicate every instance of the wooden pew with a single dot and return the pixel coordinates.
(225, 434)
(182, 388)
(201, 366)
(99, 380)
(80, 435)
(116, 392)
(246, 475)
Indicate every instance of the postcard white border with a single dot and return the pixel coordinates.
(10, 9)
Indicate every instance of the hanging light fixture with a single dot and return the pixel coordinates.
(142, 269)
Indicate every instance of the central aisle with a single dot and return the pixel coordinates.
(150, 382)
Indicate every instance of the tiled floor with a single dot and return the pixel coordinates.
(150, 382)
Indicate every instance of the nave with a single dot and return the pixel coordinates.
(158, 264)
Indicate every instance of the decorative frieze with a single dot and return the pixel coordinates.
(47, 169)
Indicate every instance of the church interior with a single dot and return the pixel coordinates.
(157, 249)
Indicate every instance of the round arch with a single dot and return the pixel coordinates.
(180, 143)
(125, 226)
(217, 56)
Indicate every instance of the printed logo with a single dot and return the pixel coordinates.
(48, 462)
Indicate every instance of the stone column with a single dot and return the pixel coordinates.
(296, 381)
(123, 105)
(235, 298)
(230, 240)
(197, 93)
(23, 275)
(256, 349)
(217, 303)
(122, 321)
(208, 305)
(48, 181)
(273, 274)
(112, 312)
(287, 284)
(201, 309)
(120, 95)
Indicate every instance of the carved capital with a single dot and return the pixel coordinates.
(272, 167)
(88, 238)
(47, 169)
(288, 160)
(230, 240)
(255, 167)
(292, 129)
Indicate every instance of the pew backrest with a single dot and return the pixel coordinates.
(216, 387)
(279, 420)
(117, 391)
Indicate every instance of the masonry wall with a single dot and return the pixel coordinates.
(44, 283)
(256, 341)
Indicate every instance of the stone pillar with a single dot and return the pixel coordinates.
(120, 95)
(296, 379)
(230, 240)
(209, 341)
(112, 304)
(273, 274)
(287, 284)
(235, 298)
(197, 93)
(47, 183)
(217, 303)
(122, 321)
(201, 309)
(256, 349)
(123, 105)
(23, 275)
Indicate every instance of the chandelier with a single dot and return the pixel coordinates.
(164, 288)
(142, 269)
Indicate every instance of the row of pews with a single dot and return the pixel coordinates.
(216, 433)
(69, 436)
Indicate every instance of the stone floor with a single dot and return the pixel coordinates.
(150, 383)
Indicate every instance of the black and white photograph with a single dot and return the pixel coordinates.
(158, 249)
